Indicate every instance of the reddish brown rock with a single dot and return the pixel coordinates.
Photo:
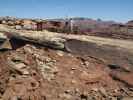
(29, 90)
(90, 77)
(126, 78)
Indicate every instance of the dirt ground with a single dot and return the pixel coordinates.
(37, 73)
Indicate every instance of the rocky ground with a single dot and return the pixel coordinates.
(37, 73)
(87, 68)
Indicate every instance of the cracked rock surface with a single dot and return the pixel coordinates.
(36, 73)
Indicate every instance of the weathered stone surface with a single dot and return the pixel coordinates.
(29, 90)
(127, 98)
(2, 36)
(6, 45)
(41, 73)
(60, 75)
(18, 27)
(90, 77)
(124, 77)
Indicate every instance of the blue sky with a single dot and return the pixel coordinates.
(118, 10)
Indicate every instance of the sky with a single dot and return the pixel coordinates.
(117, 10)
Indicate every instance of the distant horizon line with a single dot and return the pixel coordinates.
(67, 17)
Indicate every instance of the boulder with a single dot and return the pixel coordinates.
(18, 27)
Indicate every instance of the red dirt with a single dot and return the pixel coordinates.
(35, 73)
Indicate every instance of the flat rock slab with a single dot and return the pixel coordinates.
(107, 54)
